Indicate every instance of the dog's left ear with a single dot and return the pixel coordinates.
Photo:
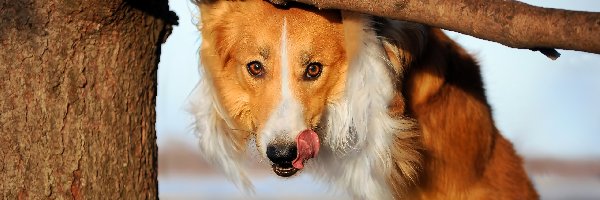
(403, 42)
(215, 135)
(279, 2)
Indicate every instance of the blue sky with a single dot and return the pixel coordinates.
(547, 108)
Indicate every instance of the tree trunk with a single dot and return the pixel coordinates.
(78, 87)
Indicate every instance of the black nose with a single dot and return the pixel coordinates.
(281, 154)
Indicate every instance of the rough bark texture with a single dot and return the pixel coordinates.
(512, 23)
(78, 87)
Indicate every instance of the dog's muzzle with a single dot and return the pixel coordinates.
(289, 158)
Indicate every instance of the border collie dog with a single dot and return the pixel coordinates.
(382, 109)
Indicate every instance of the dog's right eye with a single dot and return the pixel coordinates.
(255, 69)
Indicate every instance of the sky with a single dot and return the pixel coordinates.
(546, 108)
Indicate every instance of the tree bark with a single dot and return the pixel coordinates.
(78, 87)
(512, 23)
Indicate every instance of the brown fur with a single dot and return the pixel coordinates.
(465, 157)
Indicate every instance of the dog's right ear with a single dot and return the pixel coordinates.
(213, 23)
(207, 9)
(203, 2)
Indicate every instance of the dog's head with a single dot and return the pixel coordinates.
(273, 72)
(283, 76)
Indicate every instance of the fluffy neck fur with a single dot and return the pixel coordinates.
(214, 131)
(367, 144)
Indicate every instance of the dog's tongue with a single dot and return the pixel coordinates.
(308, 147)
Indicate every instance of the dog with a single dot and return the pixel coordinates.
(383, 109)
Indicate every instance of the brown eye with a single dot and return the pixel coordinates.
(313, 71)
(255, 68)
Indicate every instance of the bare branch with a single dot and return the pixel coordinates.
(512, 23)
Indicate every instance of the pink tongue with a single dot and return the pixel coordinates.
(308, 147)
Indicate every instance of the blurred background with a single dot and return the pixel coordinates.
(548, 109)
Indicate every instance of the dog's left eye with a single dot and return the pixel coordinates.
(255, 69)
(313, 71)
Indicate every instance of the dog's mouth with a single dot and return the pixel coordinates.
(307, 147)
(285, 169)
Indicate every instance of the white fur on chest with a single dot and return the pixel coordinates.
(359, 128)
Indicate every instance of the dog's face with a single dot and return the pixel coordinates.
(274, 71)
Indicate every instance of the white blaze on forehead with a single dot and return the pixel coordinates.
(285, 83)
(286, 121)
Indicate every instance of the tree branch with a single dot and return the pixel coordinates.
(512, 23)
